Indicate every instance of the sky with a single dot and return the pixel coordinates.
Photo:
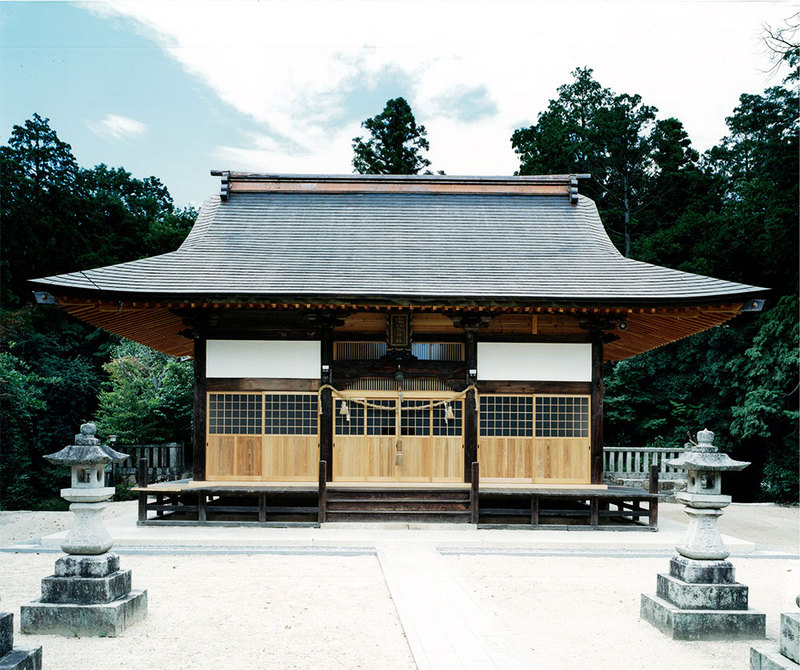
(177, 89)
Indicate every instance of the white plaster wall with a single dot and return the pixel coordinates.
(533, 361)
(296, 359)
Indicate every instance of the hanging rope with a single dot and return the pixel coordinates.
(362, 401)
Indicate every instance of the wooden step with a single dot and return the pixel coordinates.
(409, 494)
(398, 504)
(394, 506)
(399, 499)
(417, 516)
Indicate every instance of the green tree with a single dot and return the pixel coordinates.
(395, 144)
(766, 411)
(739, 379)
(148, 397)
(58, 217)
(638, 164)
(39, 202)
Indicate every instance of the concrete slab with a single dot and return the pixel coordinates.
(445, 625)
(126, 533)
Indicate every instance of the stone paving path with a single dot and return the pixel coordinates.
(446, 627)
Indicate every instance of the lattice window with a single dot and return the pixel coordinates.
(415, 421)
(355, 424)
(372, 351)
(380, 421)
(290, 414)
(562, 416)
(234, 413)
(438, 351)
(506, 416)
(358, 351)
(452, 427)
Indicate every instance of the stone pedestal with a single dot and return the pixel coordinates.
(86, 596)
(16, 658)
(784, 657)
(701, 600)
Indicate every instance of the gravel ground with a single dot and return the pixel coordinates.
(321, 611)
(20, 526)
(767, 525)
(582, 612)
(237, 612)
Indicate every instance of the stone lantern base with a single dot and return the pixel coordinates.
(88, 596)
(700, 600)
(785, 657)
(16, 658)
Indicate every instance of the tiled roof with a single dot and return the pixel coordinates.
(400, 245)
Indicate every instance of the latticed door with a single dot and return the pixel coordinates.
(262, 436)
(384, 439)
(535, 438)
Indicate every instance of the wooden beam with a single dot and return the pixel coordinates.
(565, 388)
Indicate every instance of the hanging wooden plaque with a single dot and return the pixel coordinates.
(398, 331)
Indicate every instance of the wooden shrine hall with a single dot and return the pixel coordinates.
(390, 332)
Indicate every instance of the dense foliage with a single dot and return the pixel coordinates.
(732, 214)
(148, 398)
(395, 144)
(58, 217)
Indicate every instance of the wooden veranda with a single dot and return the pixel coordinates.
(308, 503)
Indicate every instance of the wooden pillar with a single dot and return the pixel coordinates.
(199, 410)
(653, 504)
(326, 417)
(597, 410)
(201, 507)
(474, 493)
(262, 507)
(141, 482)
(470, 413)
(322, 494)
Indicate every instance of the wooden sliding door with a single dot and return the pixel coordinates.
(394, 441)
(262, 436)
(534, 438)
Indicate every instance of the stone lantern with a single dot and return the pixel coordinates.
(88, 594)
(703, 497)
(699, 598)
(87, 458)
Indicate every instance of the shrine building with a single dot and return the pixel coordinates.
(398, 328)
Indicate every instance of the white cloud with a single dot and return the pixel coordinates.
(299, 68)
(117, 127)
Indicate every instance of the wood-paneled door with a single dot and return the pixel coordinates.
(541, 439)
(262, 436)
(394, 441)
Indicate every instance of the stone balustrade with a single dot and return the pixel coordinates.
(629, 463)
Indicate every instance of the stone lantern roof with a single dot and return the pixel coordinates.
(87, 450)
(705, 456)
